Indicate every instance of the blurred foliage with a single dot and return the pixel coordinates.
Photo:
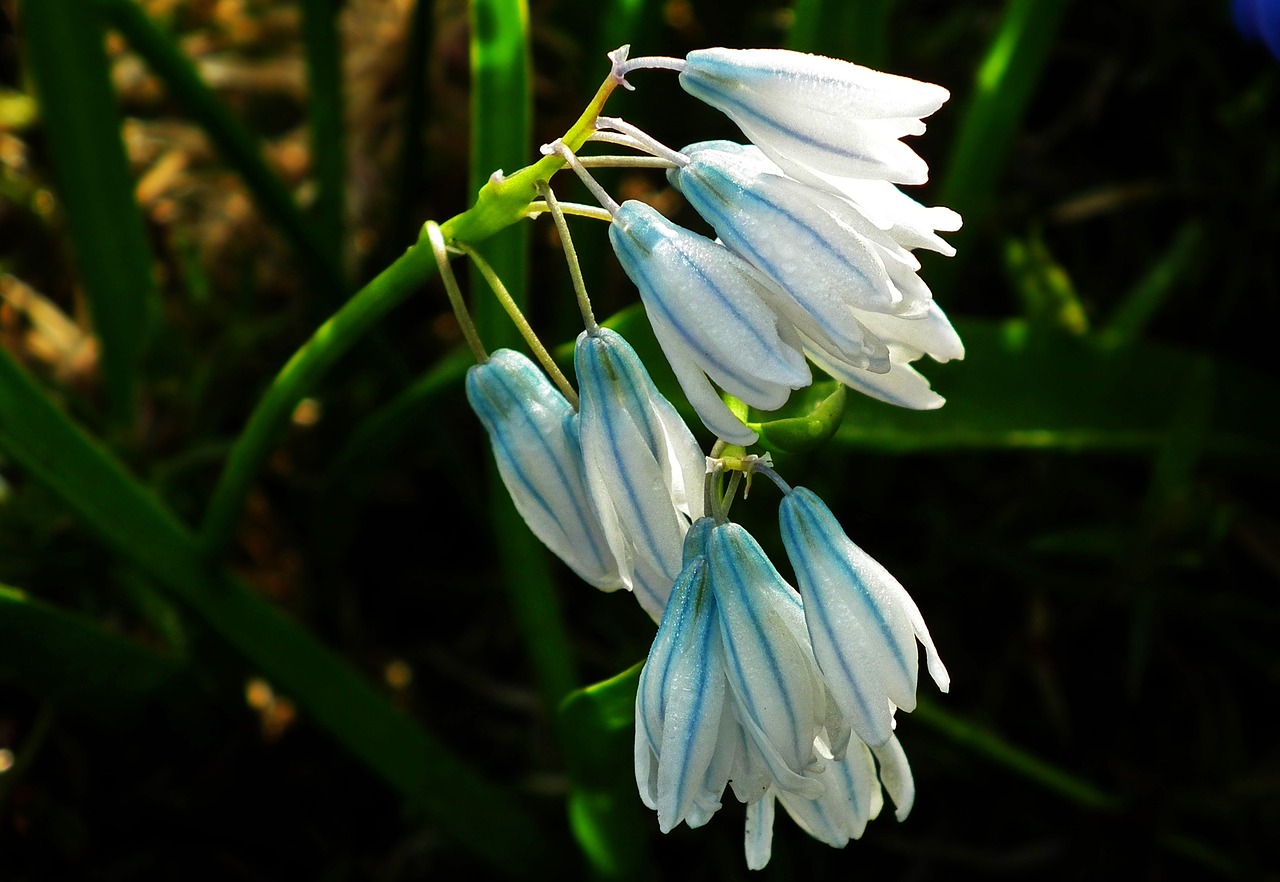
(327, 672)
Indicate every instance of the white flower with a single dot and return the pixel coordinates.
(644, 470)
(733, 695)
(843, 273)
(533, 430)
(852, 798)
(713, 316)
(816, 114)
(861, 621)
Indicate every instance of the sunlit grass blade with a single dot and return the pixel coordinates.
(75, 662)
(238, 147)
(994, 111)
(608, 820)
(858, 32)
(325, 120)
(52, 450)
(501, 138)
(78, 109)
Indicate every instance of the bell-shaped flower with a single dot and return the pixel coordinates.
(852, 798)
(533, 430)
(778, 692)
(713, 315)
(907, 340)
(685, 738)
(644, 470)
(808, 112)
(862, 623)
(847, 282)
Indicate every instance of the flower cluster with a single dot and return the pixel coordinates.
(783, 695)
(814, 256)
(777, 693)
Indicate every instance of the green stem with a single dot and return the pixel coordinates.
(296, 380)
(500, 203)
(522, 324)
(441, 252)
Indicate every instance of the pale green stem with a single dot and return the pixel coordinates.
(570, 256)
(643, 140)
(460, 312)
(522, 324)
(559, 148)
(592, 211)
(625, 162)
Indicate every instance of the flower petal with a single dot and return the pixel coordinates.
(533, 432)
(680, 701)
(862, 622)
(707, 308)
(895, 774)
(641, 465)
(852, 798)
(821, 112)
(777, 690)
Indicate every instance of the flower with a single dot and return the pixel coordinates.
(713, 316)
(533, 430)
(851, 798)
(849, 284)
(745, 684)
(862, 623)
(1259, 20)
(815, 114)
(643, 468)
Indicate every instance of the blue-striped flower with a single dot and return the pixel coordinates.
(817, 115)
(714, 316)
(533, 430)
(732, 694)
(730, 691)
(852, 797)
(644, 470)
(862, 623)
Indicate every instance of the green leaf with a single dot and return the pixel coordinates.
(501, 139)
(74, 661)
(54, 451)
(809, 419)
(325, 121)
(78, 109)
(1020, 387)
(605, 812)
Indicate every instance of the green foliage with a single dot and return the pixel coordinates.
(1087, 520)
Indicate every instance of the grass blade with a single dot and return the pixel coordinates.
(326, 121)
(129, 519)
(73, 82)
(238, 147)
(501, 135)
(1003, 88)
(858, 31)
(73, 661)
